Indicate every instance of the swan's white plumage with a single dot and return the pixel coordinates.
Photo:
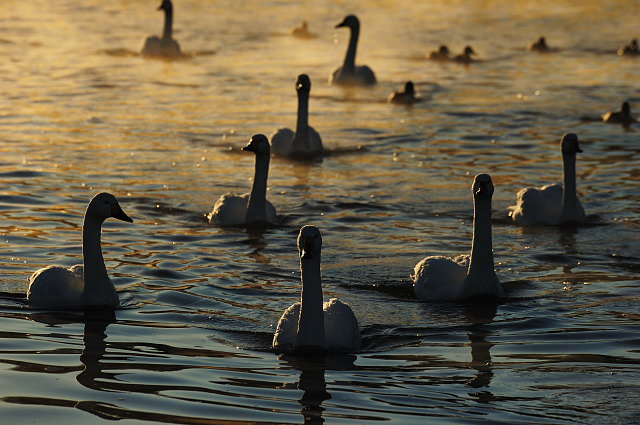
(438, 278)
(305, 141)
(235, 210)
(552, 204)
(349, 74)
(59, 287)
(163, 47)
(330, 326)
(623, 116)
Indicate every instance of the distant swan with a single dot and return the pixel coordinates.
(630, 49)
(540, 46)
(349, 74)
(552, 204)
(302, 31)
(622, 117)
(165, 47)
(235, 210)
(406, 97)
(465, 58)
(442, 54)
(305, 141)
(444, 279)
(86, 284)
(310, 324)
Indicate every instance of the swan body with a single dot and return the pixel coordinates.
(311, 324)
(540, 46)
(465, 58)
(406, 97)
(630, 49)
(163, 47)
(235, 210)
(441, 55)
(349, 74)
(552, 204)
(620, 117)
(442, 279)
(305, 141)
(86, 284)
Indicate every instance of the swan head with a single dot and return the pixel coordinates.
(303, 84)
(105, 205)
(409, 89)
(166, 5)
(443, 50)
(468, 50)
(626, 108)
(569, 144)
(309, 242)
(350, 21)
(482, 187)
(258, 144)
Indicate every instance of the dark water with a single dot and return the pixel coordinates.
(80, 112)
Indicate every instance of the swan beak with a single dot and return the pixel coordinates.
(116, 212)
(251, 147)
(341, 24)
(578, 148)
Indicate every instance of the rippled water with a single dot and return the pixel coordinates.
(80, 112)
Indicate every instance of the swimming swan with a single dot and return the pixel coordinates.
(165, 47)
(540, 46)
(310, 324)
(349, 74)
(440, 278)
(441, 55)
(86, 284)
(622, 117)
(552, 204)
(406, 97)
(465, 57)
(302, 31)
(305, 141)
(235, 210)
(629, 49)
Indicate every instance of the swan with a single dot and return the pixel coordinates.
(305, 141)
(630, 49)
(165, 47)
(552, 204)
(235, 210)
(310, 324)
(406, 97)
(465, 57)
(540, 45)
(349, 74)
(622, 117)
(86, 284)
(302, 31)
(442, 54)
(440, 278)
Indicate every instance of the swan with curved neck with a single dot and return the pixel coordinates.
(440, 278)
(165, 47)
(83, 285)
(406, 97)
(311, 325)
(349, 74)
(553, 204)
(619, 117)
(253, 207)
(306, 141)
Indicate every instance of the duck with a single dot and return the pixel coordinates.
(302, 31)
(465, 57)
(83, 285)
(620, 117)
(441, 55)
(629, 49)
(349, 74)
(540, 45)
(553, 204)
(311, 325)
(250, 208)
(305, 142)
(444, 279)
(164, 47)
(406, 97)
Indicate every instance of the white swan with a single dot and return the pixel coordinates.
(406, 97)
(86, 284)
(349, 74)
(305, 141)
(444, 279)
(552, 204)
(465, 58)
(235, 210)
(310, 324)
(165, 47)
(440, 55)
(619, 117)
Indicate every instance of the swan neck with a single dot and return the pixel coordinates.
(301, 141)
(96, 278)
(481, 261)
(257, 204)
(569, 196)
(168, 23)
(350, 58)
(311, 321)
